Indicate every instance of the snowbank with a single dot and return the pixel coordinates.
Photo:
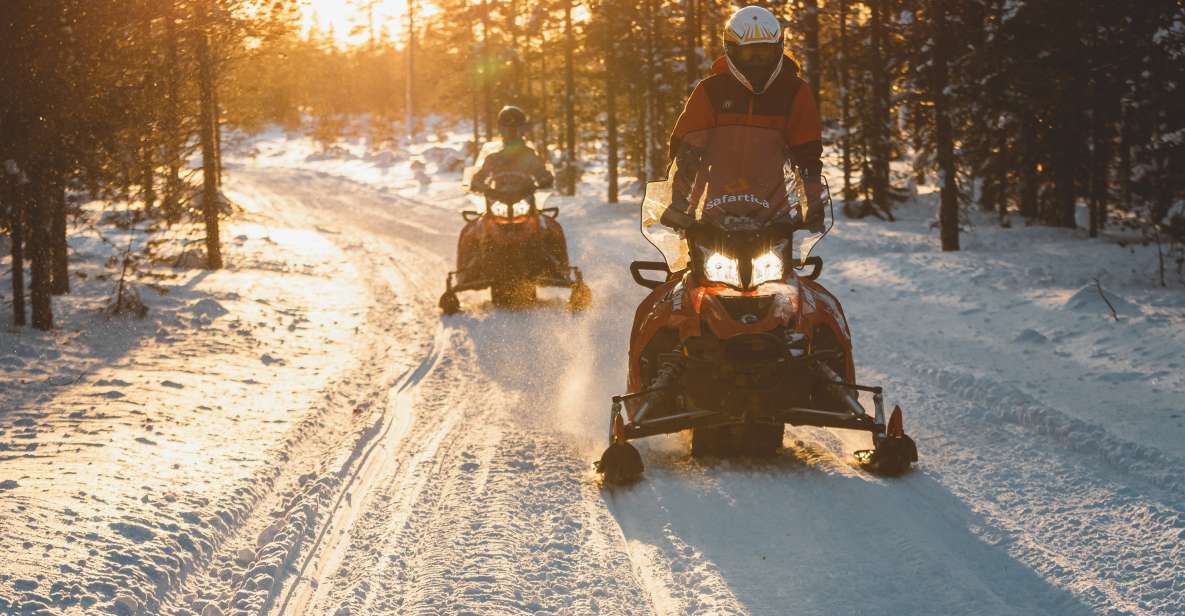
(131, 449)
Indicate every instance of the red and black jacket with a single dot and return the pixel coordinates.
(786, 105)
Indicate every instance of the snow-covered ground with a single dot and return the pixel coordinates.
(303, 433)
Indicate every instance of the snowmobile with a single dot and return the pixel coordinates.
(512, 246)
(738, 339)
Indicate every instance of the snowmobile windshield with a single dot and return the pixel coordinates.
(742, 183)
(506, 174)
(501, 189)
(514, 205)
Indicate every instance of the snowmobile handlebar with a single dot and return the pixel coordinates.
(637, 267)
(816, 265)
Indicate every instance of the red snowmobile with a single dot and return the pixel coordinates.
(512, 247)
(739, 339)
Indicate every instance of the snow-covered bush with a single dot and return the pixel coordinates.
(126, 302)
(445, 159)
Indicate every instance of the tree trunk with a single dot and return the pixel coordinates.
(475, 104)
(173, 139)
(61, 260)
(845, 103)
(216, 109)
(1124, 168)
(148, 180)
(714, 27)
(487, 103)
(611, 108)
(409, 98)
(16, 224)
(1102, 135)
(544, 111)
(1000, 173)
(690, 34)
(210, 200)
(1065, 167)
(149, 128)
(40, 274)
(638, 143)
(948, 213)
(516, 51)
(919, 145)
(650, 104)
(569, 100)
(878, 122)
(988, 194)
(1067, 124)
(1028, 165)
(814, 65)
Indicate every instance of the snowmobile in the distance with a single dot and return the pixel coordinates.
(512, 246)
(738, 339)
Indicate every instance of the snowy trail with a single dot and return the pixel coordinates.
(446, 466)
(465, 446)
(379, 461)
(500, 514)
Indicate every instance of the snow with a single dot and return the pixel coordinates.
(1097, 300)
(131, 459)
(303, 433)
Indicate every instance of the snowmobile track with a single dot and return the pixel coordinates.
(363, 470)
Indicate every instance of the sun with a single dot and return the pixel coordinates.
(355, 22)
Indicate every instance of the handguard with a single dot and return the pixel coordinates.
(676, 218)
(686, 165)
(813, 217)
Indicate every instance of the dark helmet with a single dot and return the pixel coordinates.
(512, 116)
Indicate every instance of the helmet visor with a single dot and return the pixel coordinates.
(761, 55)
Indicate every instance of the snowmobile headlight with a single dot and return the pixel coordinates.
(500, 210)
(723, 269)
(767, 268)
(522, 208)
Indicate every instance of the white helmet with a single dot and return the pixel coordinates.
(753, 47)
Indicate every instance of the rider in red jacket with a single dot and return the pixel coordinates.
(754, 84)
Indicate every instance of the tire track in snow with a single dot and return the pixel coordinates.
(293, 511)
(324, 556)
(502, 525)
(579, 564)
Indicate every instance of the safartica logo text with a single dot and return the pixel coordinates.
(747, 198)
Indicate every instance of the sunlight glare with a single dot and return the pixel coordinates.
(350, 21)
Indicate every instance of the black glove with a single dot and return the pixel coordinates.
(815, 220)
(675, 218)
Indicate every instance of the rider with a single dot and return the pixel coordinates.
(517, 168)
(754, 84)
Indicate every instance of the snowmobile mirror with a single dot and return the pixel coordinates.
(816, 265)
(637, 267)
(550, 212)
(470, 215)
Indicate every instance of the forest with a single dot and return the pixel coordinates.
(1030, 109)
